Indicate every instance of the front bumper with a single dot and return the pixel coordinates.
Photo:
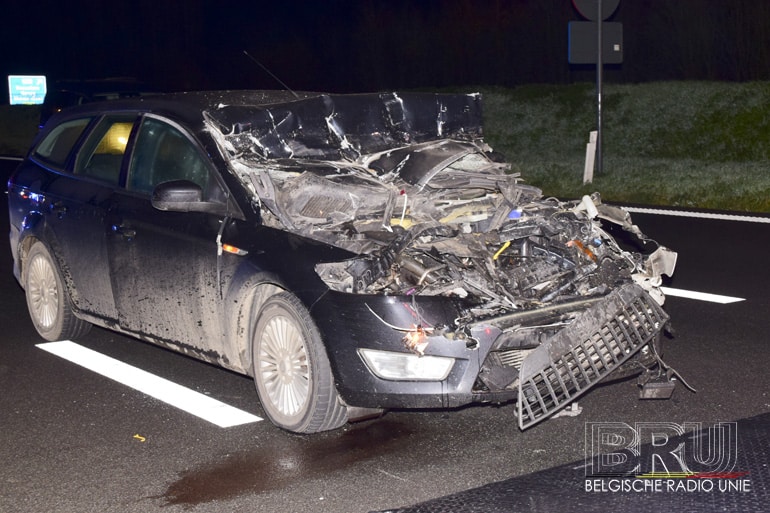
(349, 322)
(606, 332)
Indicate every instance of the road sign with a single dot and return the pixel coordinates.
(590, 8)
(26, 89)
(583, 41)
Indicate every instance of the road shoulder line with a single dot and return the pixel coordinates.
(195, 403)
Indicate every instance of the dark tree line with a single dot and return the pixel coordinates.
(509, 42)
(356, 45)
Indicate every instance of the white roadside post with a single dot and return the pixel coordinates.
(588, 171)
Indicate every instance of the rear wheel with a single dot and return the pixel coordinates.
(291, 369)
(47, 301)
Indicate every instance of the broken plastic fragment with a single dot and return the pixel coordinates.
(573, 410)
(661, 261)
(588, 205)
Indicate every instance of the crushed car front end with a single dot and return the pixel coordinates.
(407, 352)
(465, 284)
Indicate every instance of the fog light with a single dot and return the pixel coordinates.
(406, 366)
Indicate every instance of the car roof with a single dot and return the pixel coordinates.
(186, 107)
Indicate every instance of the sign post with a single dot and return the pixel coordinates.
(587, 45)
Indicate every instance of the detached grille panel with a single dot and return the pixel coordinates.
(586, 351)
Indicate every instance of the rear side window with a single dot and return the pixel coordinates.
(57, 146)
(101, 157)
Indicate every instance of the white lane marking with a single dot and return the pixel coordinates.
(701, 296)
(700, 215)
(193, 402)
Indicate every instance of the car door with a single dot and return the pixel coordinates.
(77, 204)
(164, 264)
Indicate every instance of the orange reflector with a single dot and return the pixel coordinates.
(233, 250)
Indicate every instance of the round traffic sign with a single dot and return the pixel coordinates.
(590, 8)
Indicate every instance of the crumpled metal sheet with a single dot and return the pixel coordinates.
(337, 127)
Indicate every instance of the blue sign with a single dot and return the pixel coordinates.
(26, 89)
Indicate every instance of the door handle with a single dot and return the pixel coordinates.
(59, 209)
(123, 231)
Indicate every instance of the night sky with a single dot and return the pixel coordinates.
(367, 45)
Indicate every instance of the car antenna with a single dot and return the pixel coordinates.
(269, 73)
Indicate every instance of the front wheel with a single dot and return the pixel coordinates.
(291, 369)
(47, 301)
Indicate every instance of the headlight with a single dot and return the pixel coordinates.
(406, 366)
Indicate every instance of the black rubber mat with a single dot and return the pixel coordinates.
(563, 488)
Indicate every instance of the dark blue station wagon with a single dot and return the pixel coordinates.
(351, 253)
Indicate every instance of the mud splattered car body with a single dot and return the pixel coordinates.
(427, 275)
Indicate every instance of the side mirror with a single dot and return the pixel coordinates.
(184, 196)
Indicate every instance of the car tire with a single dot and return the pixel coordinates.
(291, 370)
(48, 302)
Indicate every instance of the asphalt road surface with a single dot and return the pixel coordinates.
(72, 440)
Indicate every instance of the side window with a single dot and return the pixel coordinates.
(102, 154)
(57, 145)
(162, 153)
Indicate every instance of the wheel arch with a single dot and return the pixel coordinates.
(245, 302)
(246, 293)
(48, 296)
(36, 229)
(25, 245)
(23, 251)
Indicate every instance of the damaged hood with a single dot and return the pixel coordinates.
(344, 127)
(407, 185)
